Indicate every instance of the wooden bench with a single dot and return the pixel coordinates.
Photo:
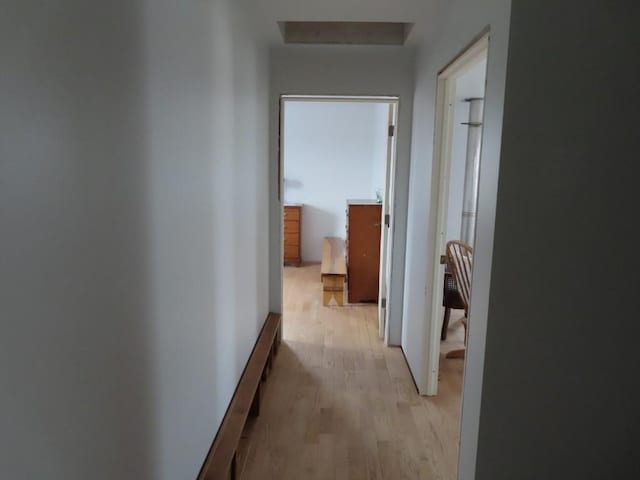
(333, 270)
(223, 461)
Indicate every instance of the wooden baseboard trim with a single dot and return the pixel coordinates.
(221, 461)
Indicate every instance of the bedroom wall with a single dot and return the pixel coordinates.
(332, 153)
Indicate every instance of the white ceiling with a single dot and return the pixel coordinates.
(267, 14)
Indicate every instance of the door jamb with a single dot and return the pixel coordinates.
(386, 260)
(445, 96)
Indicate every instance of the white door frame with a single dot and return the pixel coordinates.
(386, 240)
(386, 244)
(445, 103)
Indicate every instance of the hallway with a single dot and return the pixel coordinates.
(340, 405)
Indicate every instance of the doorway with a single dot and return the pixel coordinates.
(320, 193)
(457, 153)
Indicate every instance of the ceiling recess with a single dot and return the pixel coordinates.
(346, 33)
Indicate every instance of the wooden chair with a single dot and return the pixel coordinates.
(460, 262)
(450, 299)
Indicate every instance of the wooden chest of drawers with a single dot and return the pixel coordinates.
(364, 222)
(292, 217)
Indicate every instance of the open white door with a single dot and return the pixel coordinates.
(386, 244)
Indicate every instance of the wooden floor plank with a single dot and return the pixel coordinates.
(340, 404)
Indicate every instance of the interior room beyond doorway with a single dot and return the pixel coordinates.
(461, 209)
(337, 165)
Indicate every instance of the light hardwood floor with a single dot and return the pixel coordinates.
(341, 405)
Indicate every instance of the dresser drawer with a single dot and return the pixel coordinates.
(292, 218)
(291, 213)
(291, 226)
(291, 239)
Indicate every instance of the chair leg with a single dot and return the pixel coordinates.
(445, 323)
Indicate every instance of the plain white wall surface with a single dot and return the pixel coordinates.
(132, 140)
(346, 70)
(562, 372)
(469, 85)
(459, 23)
(332, 153)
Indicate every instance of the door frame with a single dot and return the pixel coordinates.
(445, 105)
(386, 240)
(386, 243)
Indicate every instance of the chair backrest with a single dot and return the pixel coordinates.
(460, 261)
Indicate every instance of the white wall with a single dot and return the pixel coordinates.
(557, 395)
(469, 85)
(132, 139)
(332, 152)
(351, 70)
(459, 22)
(561, 377)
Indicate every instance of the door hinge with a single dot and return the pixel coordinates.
(392, 130)
(387, 220)
(383, 303)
